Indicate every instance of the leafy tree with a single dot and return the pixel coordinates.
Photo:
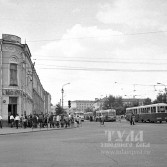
(112, 102)
(59, 110)
(161, 98)
(147, 101)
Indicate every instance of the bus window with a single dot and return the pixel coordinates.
(162, 109)
(166, 109)
(153, 110)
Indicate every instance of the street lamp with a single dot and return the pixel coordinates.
(62, 91)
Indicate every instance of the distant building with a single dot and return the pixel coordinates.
(47, 103)
(131, 101)
(81, 105)
(98, 103)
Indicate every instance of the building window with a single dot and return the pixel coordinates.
(13, 74)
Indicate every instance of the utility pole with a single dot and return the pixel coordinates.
(62, 91)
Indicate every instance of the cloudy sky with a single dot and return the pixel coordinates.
(100, 47)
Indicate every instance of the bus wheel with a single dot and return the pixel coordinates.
(160, 121)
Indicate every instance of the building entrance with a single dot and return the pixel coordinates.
(12, 107)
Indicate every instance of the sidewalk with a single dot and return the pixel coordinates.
(8, 130)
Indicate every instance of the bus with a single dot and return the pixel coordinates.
(109, 115)
(148, 113)
(80, 114)
(88, 116)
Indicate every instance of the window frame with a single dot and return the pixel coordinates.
(13, 79)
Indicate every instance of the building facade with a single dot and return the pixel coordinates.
(131, 101)
(47, 103)
(21, 91)
(81, 105)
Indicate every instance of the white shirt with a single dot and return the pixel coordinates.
(58, 118)
(17, 118)
(0, 118)
(11, 117)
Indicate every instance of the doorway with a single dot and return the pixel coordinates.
(12, 107)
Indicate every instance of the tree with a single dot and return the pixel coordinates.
(59, 110)
(112, 102)
(147, 101)
(161, 98)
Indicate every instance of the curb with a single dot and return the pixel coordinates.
(12, 133)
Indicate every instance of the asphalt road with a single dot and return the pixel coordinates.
(91, 145)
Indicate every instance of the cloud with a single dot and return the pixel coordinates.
(76, 11)
(78, 40)
(134, 13)
(96, 46)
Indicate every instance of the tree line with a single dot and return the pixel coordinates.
(116, 102)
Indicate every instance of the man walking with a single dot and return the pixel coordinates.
(12, 120)
(133, 119)
(17, 119)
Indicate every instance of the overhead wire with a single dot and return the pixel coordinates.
(113, 35)
(102, 61)
(103, 69)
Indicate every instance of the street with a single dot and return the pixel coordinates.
(91, 145)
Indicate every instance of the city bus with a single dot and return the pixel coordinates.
(109, 115)
(148, 113)
(80, 114)
(88, 115)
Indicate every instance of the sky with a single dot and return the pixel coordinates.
(100, 47)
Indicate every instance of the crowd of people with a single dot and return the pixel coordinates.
(43, 121)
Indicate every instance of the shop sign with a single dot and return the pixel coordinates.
(11, 92)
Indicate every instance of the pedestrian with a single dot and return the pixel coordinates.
(58, 121)
(101, 120)
(133, 119)
(25, 121)
(17, 119)
(51, 121)
(12, 120)
(34, 121)
(40, 120)
(0, 121)
(62, 121)
(77, 120)
(66, 120)
(21, 121)
(54, 120)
